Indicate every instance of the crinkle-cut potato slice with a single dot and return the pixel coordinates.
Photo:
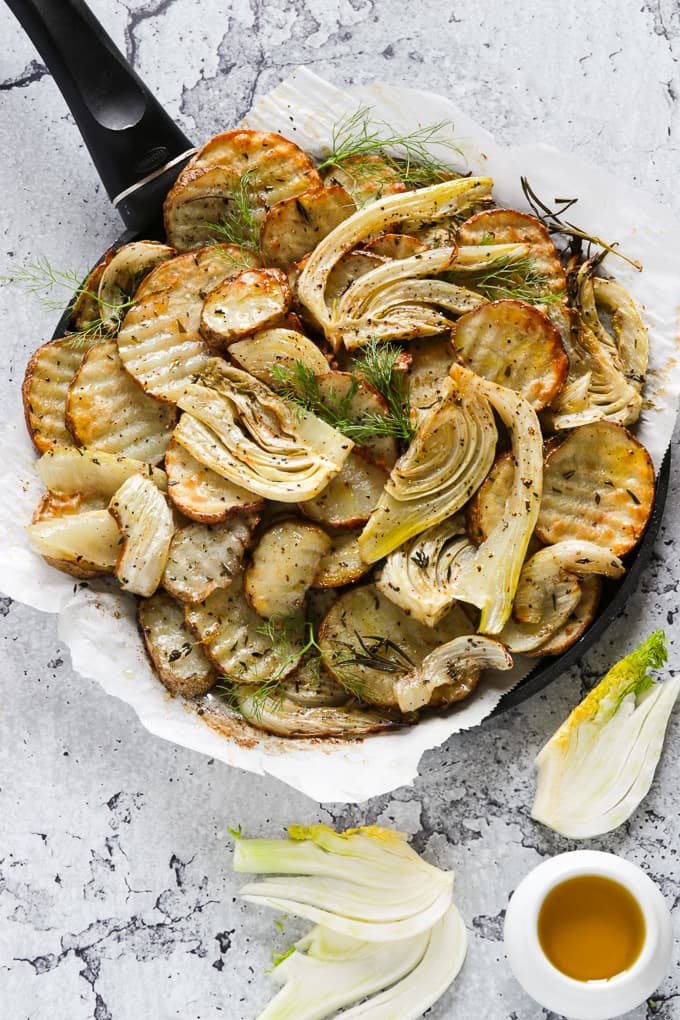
(202, 494)
(237, 307)
(45, 387)
(366, 178)
(178, 661)
(630, 333)
(191, 276)
(280, 714)
(343, 563)
(204, 557)
(577, 623)
(147, 526)
(262, 165)
(236, 640)
(395, 246)
(294, 226)
(488, 506)
(429, 370)
(515, 345)
(349, 499)
(283, 566)
(509, 226)
(277, 348)
(73, 470)
(106, 409)
(598, 486)
(88, 541)
(124, 273)
(240, 428)
(368, 642)
(358, 401)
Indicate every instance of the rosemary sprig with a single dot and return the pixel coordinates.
(517, 278)
(553, 220)
(378, 368)
(239, 226)
(359, 134)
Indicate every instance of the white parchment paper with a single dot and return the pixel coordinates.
(98, 624)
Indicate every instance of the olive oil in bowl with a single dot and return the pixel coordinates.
(591, 928)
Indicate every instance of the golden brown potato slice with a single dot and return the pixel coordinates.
(238, 642)
(106, 409)
(368, 642)
(237, 307)
(350, 497)
(354, 399)
(178, 661)
(48, 376)
(270, 348)
(197, 272)
(76, 471)
(395, 246)
(343, 564)
(508, 226)
(146, 525)
(577, 623)
(366, 178)
(488, 506)
(259, 168)
(283, 566)
(123, 274)
(204, 557)
(431, 361)
(598, 486)
(89, 541)
(293, 227)
(85, 312)
(200, 493)
(513, 344)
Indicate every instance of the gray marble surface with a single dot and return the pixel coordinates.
(116, 893)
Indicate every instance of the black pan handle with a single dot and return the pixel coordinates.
(136, 147)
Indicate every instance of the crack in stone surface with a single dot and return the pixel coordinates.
(31, 73)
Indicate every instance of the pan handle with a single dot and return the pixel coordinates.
(135, 145)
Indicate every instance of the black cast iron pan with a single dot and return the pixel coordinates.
(138, 152)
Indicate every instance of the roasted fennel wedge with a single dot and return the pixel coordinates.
(239, 428)
(452, 451)
(275, 711)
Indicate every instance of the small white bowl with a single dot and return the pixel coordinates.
(587, 1000)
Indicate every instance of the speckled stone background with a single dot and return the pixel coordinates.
(116, 895)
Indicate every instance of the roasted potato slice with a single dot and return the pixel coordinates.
(429, 370)
(350, 397)
(91, 473)
(123, 274)
(283, 566)
(395, 246)
(349, 499)
(178, 661)
(85, 313)
(45, 387)
(107, 410)
(280, 714)
(200, 493)
(261, 167)
(577, 623)
(343, 563)
(368, 642)
(204, 557)
(159, 343)
(293, 227)
(242, 647)
(488, 506)
(366, 178)
(513, 344)
(147, 526)
(89, 541)
(240, 306)
(282, 348)
(508, 226)
(598, 486)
